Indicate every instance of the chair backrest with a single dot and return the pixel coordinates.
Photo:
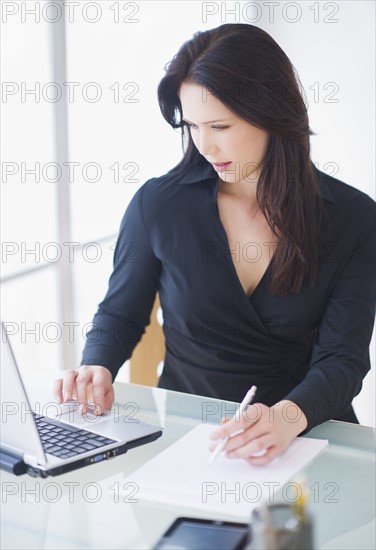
(149, 352)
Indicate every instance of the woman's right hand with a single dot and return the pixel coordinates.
(87, 382)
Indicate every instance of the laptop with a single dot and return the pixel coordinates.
(58, 439)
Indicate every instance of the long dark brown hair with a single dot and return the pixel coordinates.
(247, 71)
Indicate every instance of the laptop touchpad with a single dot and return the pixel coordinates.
(123, 429)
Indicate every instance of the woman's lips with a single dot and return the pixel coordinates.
(220, 166)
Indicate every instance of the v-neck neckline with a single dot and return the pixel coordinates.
(225, 238)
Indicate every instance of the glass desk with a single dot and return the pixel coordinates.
(94, 508)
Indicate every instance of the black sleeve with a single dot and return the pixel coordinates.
(124, 313)
(340, 354)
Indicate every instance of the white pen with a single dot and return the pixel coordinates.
(239, 411)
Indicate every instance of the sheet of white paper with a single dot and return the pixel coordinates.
(181, 475)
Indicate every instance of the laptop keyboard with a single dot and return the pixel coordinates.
(65, 441)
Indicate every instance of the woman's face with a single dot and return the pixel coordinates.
(233, 146)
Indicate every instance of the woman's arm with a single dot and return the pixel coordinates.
(122, 316)
(339, 360)
(340, 354)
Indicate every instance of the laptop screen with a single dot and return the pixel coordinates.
(18, 429)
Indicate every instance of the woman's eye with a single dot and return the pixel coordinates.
(193, 126)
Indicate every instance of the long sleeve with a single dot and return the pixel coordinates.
(340, 353)
(124, 313)
(310, 347)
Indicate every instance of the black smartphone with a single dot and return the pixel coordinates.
(204, 534)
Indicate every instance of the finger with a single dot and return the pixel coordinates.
(216, 436)
(253, 433)
(102, 390)
(271, 454)
(83, 382)
(58, 390)
(109, 397)
(98, 396)
(250, 416)
(69, 384)
(98, 399)
(246, 448)
(230, 445)
(213, 445)
(225, 430)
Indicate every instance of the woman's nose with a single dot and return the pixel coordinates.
(206, 145)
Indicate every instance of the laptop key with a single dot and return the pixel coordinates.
(53, 450)
(94, 442)
(80, 449)
(108, 441)
(100, 438)
(59, 453)
(80, 439)
(66, 427)
(66, 454)
(87, 446)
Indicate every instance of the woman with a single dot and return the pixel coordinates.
(263, 264)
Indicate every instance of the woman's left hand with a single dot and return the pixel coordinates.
(266, 431)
